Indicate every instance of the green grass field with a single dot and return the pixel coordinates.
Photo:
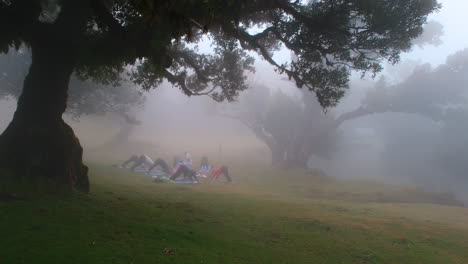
(267, 216)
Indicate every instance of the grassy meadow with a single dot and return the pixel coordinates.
(268, 215)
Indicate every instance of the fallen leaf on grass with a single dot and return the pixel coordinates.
(169, 251)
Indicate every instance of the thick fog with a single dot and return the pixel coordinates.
(412, 128)
(408, 125)
(411, 131)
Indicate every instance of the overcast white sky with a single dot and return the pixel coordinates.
(454, 17)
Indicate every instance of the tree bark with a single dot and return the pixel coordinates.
(299, 160)
(38, 145)
(277, 155)
(297, 155)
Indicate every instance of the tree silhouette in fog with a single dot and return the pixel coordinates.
(97, 39)
(438, 95)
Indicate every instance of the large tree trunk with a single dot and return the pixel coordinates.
(297, 156)
(277, 155)
(298, 160)
(38, 145)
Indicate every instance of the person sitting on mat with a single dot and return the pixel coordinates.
(216, 172)
(187, 160)
(138, 161)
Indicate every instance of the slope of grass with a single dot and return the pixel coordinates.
(129, 219)
(317, 185)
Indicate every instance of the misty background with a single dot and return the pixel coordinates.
(407, 125)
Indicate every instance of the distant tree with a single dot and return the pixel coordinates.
(296, 128)
(433, 31)
(124, 100)
(293, 128)
(432, 93)
(97, 39)
(439, 94)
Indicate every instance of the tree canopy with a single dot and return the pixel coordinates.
(329, 38)
(157, 39)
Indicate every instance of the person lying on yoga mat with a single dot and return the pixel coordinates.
(165, 167)
(216, 172)
(161, 163)
(179, 169)
(185, 171)
(138, 161)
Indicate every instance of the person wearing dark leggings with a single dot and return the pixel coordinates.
(185, 171)
(204, 164)
(205, 167)
(137, 161)
(162, 164)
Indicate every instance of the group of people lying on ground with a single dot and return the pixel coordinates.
(180, 167)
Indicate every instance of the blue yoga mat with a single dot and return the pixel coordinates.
(156, 173)
(140, 169)
(161, 177)
(185, 182)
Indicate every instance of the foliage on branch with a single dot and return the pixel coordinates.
(329, 38)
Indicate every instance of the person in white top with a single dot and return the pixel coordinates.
(188, 159)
